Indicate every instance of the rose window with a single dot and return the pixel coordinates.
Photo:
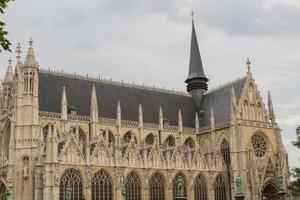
(259, 145)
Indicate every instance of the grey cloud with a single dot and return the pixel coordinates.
(250, 17)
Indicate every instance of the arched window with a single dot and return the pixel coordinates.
(149, 139)
(225, 150)
(270, 191)
(170, 141)
(157, 190)
(111, 138)
(189, 143)
(133, 187)
(220, 189)
(259, 145)
(128, 137)
(200, 188)
(102, 187)
(71, 185)
(179, 188)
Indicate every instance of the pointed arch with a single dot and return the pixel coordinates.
(270, 191)
(149, 140)
(71, 182)
(129, 136)
(225, 150)
(189, 142)
(157, 189)
(200, 191)
(170, 141)
(220, 188)
(133, 186)
(102, 186)
(179, 187)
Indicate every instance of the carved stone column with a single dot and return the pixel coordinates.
(119, 173)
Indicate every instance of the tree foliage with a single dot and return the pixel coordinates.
(4, 42)
(297, 143)
(295, 184)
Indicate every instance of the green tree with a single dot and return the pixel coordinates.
(4, 42)
(295, 184)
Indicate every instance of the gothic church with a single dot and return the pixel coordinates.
(71, 137)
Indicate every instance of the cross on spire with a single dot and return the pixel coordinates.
(248, 65)
(192, 14)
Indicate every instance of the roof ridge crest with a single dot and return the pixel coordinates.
(113, 82)
(221, 86)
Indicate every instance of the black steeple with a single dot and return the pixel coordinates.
(197, 81)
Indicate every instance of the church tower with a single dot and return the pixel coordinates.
(197, 81)
(26, 124)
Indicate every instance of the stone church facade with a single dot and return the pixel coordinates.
(66, 136)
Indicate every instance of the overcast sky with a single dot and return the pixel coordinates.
(148, 42)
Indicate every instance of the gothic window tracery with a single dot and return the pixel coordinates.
(29, 81)
(225, 150)
(170, 141)
(102, 187)
(149, 139)
(129, 136)
(200, 188)
(157, 190)
(219, 188)
(259, 145)
(71, 184)
(189, 143)
(133, 187)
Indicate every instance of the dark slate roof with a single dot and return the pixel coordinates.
(79, 95)
(219, 100)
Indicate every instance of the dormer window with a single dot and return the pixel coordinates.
(166, 122)
(73, 111)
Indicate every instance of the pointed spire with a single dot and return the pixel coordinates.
(271, 109)
(30, 58)
(212, 118)
(94, 106)
(141, 123)
(196, 67)
(18, 52)
(197, 125)
(180, 126)
(64, 105)
(161, 119)
(233, 105)
(9, 72)
(119, 119)
(197, 81)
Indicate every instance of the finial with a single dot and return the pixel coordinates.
(30, 58)
(9, 61)
(249, 65)
(18, 51)
(30, 42)
(192, 14)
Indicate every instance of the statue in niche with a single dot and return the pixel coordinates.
(281, 183)
(124, 193)
(7, 193)
(180, 187)
(238, 185)
(69, 192)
